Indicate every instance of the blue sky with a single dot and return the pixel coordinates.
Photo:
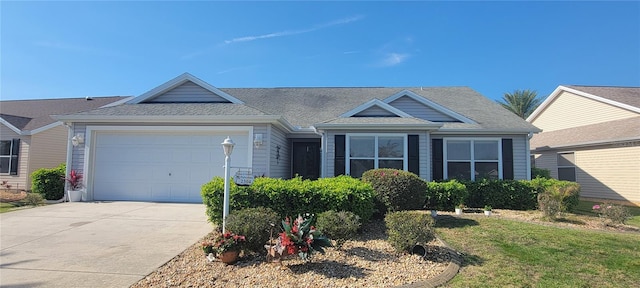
(78, 49)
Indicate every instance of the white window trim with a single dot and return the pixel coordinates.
(445, 162)
(574, 166)
(10, 156)
(405, 157)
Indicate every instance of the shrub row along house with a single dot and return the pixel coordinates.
(30, 139)
(164, 144)
(591, 135)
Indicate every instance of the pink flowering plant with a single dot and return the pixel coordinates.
(74, 180)
(225, 242)
(301, 237)
(615, 214)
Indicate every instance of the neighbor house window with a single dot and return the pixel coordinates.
(368, 152)
(567, 166)
(472, 159)
(9, 156)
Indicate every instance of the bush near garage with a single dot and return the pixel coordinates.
(396, 190)
(49, 182)
(255, 224)
(291, 197)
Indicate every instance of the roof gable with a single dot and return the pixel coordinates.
(431, 111)
(608, 100)
(375, 108)
(185, 88)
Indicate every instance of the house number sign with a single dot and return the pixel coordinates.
(243, 178)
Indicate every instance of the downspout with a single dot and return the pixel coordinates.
(529, 136)
(69, 158)
(323, 146)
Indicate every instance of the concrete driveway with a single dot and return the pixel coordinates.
(91, 244)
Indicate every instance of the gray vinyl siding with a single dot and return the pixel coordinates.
(424, 142)
(187, 92)
(520, 171)
(419, 110)
(374, 111)
(261, 155)
(279, 161)
(77, 158)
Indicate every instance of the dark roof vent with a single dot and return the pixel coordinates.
(88, 98)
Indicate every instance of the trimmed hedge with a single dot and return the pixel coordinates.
(406, 228)
(291, 197)
(49, 182)
(396, 190)
(445, 196)
(565, 191)
(502, 194)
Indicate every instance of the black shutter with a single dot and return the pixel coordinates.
(507, 159)
(414, 154)
(15, 150)
(437, 161)
(339, 161)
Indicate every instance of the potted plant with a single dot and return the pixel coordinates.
(459, 209)
(227, 247)
(75, 186)
(300, 237)
(487, 210)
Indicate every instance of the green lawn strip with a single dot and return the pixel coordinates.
(6, 207)
(507, 253)
(586, 208)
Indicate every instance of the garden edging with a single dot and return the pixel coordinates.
(444, 277)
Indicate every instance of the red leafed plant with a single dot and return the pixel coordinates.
(75, 180)
(301, 237)
(228, 241)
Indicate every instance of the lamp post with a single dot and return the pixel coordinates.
(227, 146)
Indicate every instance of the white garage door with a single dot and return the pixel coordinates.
(162, 167)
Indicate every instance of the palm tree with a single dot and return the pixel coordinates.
(521, 102)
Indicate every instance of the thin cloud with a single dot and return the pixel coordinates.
(393, 59)
(295, 32)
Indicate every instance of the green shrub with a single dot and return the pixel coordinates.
(407, 228)
(339, 226)
(540, 173)
(291, 197)
(446, 195)
(616, 214)
(502, 194)
(567, 192)
(49, 182)
(396, 190)
(256, 225)
(33, 199)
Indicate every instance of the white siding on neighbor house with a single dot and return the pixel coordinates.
(374, 111)
(48, 148)
(187, 92)
(520, 155)
(419, 110)
(424, 142)
(279, 159)
(609, 173)
(569, 110)
(20, 181)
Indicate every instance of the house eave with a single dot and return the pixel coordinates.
(376, 127)
(486, 131)
(634, 140)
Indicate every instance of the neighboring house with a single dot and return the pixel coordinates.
(591, 135)
(30, 139)
(164, 144)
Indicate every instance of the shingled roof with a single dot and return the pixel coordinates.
(306, 107)
(28, 115)
(607, 132)
(625, 95)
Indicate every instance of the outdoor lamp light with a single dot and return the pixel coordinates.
(227, 146)
(257, 140)
(77, 140)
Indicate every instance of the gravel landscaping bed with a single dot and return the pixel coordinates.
(368, 261)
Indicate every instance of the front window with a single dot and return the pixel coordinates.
(472, 159)
(368, 152)
(567, 166)
(9, 156)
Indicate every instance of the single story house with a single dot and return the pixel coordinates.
(591, 135)
(30, 139)
(164, 144)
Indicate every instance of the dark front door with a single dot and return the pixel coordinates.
(306, 160)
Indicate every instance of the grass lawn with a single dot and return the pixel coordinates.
(6, 207)
(508, 253)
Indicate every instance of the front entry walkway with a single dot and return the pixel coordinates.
(94, 244)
